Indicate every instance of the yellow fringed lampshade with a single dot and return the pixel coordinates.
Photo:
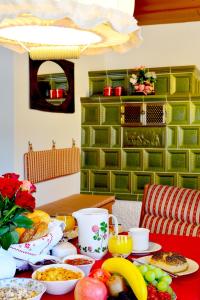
(63, 52)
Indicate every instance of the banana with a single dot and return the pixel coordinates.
(130, 272)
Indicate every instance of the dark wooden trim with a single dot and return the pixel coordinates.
(149, 12)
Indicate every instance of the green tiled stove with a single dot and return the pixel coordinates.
(129, 140)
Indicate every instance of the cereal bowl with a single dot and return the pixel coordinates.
(58, 278)
(31, 289)
(84, 262)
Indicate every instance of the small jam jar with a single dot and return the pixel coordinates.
(107, 91)
(118, 91)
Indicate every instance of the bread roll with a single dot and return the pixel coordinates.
(169, 261)
(41, 230)
(28, 234)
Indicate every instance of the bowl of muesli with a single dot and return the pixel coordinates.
(21, 289)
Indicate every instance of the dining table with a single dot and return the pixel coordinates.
(186, 287)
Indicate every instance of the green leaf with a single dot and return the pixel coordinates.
(4, 229)
(22, 221)
(8, 239)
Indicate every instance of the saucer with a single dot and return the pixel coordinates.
(153, 247)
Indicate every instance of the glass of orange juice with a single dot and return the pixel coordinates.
(120, 245)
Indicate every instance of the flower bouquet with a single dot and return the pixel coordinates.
(143, 81)
(15, 199)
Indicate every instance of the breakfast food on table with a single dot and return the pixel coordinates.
(170, 261)
(130, 272)
(125, 281)
(16, 293)
(39, 228)
(57, 274)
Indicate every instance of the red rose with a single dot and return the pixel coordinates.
(11, 175)
(25, 200)
(9, 187)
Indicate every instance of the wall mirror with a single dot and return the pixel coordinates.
(52, 85)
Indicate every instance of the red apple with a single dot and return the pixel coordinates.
(90, 289)
(100, 274)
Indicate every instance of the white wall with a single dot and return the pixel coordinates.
(163, 45)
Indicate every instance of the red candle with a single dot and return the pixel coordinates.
(118, 91)
(107, 91)
(53, 94)
(59, 93)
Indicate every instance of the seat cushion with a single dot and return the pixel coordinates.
(162, 225)
(174, 203)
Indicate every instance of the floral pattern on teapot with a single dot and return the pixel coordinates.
(100, 234)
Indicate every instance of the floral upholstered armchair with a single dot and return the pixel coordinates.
(171, 210)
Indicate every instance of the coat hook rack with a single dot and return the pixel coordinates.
(30, 146)
(53, 144)
(73, 143)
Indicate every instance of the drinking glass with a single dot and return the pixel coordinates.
(120, 245)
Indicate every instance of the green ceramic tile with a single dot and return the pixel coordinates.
(140, 180)
(154, 160)
(177, 160)
(119, 159)
(189, 181)
(96, 85)
(182, 83)
(127, 197)
(85, 136)
(172, 137)
(189, 137)
(100, 136)
(121, 182)
(132, 159)
(90, 114)
(145, 137)
(84, 180)
(166, 179)
(195, 112)
(179, 113)
(162, 85)
(111, 114)
(100, 181)
(195, 161)
(110, 159)
(90, 159)
(115, 136)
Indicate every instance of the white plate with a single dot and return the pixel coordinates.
(153, 247)
(193, 266)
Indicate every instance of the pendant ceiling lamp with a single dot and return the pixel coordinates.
(59, 29)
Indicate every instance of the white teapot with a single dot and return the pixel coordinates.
(93, 231)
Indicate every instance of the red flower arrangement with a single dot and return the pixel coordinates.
(15, 199)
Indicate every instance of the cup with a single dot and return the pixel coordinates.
(53, 94)
(140, 238)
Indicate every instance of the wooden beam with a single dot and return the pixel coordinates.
(149, 12)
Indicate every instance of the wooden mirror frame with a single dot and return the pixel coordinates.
(37, 101)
